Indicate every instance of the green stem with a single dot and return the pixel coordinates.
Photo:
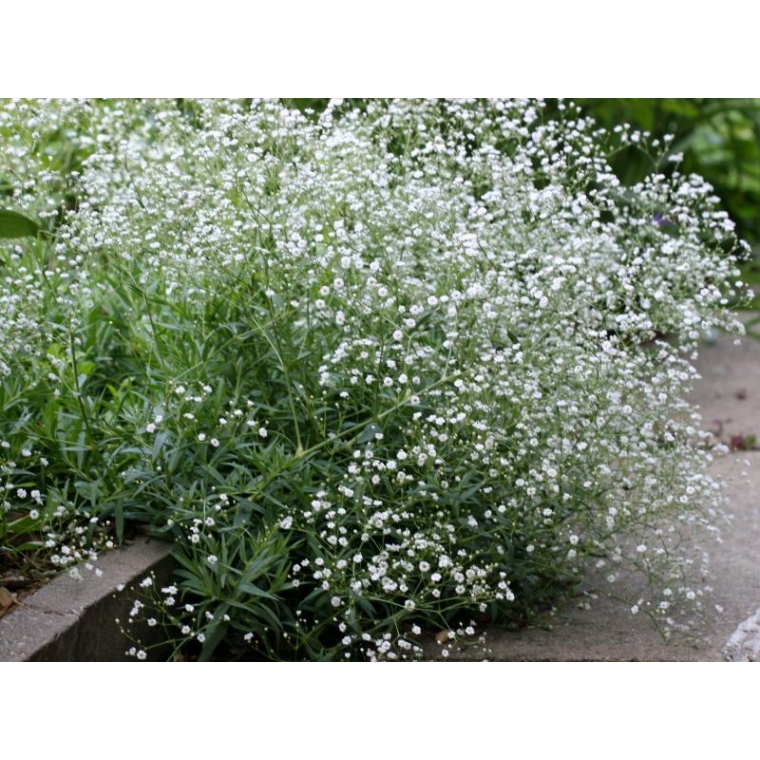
(78, 388)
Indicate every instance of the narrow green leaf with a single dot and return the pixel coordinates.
(158, 443)
(249, 588)
(28, 546)
(369, 432)
(214, 636)
(15, 225)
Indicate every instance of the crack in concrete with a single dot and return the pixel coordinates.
(52, 611)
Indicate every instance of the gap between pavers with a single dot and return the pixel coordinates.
(72, 620)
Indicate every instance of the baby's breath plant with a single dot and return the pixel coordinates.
(401, 367)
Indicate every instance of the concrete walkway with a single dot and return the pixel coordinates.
(728, 396)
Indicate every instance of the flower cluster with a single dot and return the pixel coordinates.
(42, 530)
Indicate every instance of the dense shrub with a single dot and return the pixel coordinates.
(411, 366)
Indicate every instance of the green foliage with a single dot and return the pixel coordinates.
(15, 225)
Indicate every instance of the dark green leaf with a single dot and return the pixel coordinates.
(369, 432)
(214, 636)
(15, 225)
(249, 588)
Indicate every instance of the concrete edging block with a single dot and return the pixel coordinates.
(71, 620)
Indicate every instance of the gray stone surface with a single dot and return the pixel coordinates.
(744, 643)
(73, 620)
(728, 395)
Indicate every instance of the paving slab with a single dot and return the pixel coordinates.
(73, 620)
(728, 394)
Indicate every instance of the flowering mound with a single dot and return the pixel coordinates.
(381, 371)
